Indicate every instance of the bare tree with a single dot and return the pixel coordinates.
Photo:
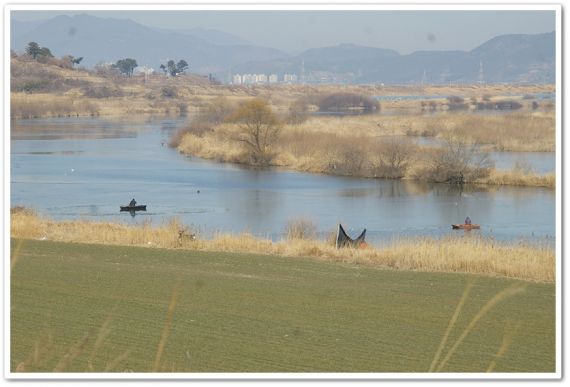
(394, 156)
(459, 161)
(259, 129)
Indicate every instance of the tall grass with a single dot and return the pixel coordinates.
(377, 147)
(512, 290)
(520, 178)
(26, 106)
(449, 254)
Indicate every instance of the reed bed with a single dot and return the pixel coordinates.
(450, 254)
(382, 147)
(26, 106)
(520, 178)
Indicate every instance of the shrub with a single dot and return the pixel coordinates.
(349, 103)
(93, 91)
(216, 112)
(301, 228)
(169, 92)
(298, 112)
(456, 103)
(457, 161)
(499, 105)
(393, 158)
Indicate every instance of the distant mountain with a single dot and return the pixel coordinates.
(211, 36)
(18, 27)
(506, 58)
(108, 40)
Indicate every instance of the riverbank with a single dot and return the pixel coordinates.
(462, 254)
(432, 148)
(43, 90)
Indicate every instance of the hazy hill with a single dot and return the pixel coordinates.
(108, 40)
(211, 36)
(18, 27)
(506, 58)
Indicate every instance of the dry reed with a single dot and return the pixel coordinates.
(376, 146)
(520, 178)
(48, 105)
(166, 328)
(449, 254)
(505, 293)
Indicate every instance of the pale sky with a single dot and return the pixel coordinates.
(294, 31)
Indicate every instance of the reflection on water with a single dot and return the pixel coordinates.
(91, 176)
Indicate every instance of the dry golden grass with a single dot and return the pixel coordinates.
(48, 105)
(453, 254)
(519, 132)
(377, 146)
(520, 178)
(144, 95)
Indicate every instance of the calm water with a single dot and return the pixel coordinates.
(86, 168)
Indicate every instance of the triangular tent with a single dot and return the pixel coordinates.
(343, 240)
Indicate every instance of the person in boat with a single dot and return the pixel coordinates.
(133, 203)
(468, 220)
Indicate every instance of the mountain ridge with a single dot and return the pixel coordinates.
(504, 58)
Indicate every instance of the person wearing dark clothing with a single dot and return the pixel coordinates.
(133, 203)
(468, 220)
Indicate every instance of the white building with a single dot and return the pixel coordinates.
(260, 78)
(290, 78)
(273, 78)
(237, 79)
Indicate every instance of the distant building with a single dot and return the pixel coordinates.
(143, 70)
(260, 78)
(273, 78)
(290, 78)
(237, 79)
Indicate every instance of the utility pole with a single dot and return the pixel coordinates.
(481, 74)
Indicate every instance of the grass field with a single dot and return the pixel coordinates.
(79, 307)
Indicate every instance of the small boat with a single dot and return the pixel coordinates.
(133, 208)
(465, 226)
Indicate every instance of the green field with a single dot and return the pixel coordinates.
(255, 313)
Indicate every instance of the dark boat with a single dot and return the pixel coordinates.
(465, 226)
(133, 208)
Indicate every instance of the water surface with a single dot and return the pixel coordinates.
(85, 168)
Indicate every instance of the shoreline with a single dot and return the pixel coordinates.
(483, 256)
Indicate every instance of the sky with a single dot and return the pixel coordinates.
(295, 31)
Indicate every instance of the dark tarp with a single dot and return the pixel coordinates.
(343, 240)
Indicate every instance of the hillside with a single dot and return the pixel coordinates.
(108, 40)
(503, 59)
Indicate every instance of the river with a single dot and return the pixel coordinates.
(84, 168)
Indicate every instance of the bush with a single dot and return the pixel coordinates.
(301, 228)
(457, 161)
(499, 105)
(298, 112)
(348, 103)
(169, 92)
(393, 158)
(92, 91)
(456, 103)
(219, 110)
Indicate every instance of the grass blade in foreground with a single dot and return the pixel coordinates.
(260, 313)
